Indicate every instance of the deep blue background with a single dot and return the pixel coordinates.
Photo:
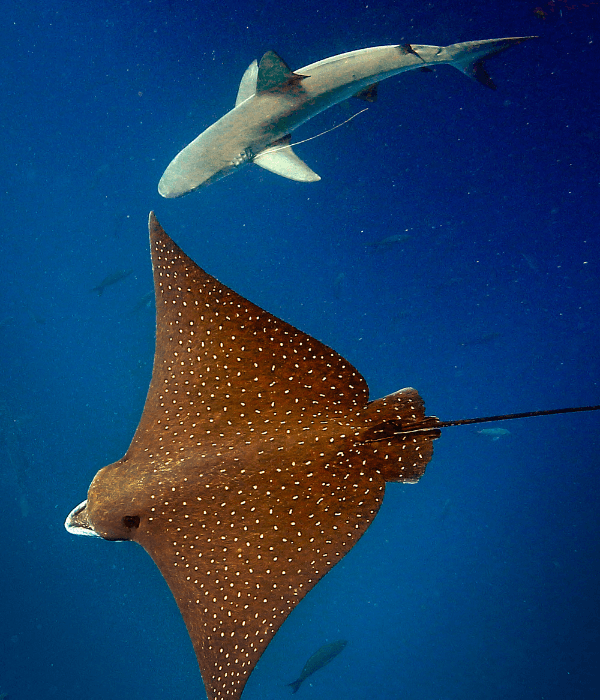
(479, 582)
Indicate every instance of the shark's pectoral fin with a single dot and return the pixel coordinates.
(274, 72)
(248, 83)
(281, 160)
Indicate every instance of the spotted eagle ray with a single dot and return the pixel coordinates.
(258, 463)
(273, 100)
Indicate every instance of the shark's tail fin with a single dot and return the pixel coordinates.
(470, 56)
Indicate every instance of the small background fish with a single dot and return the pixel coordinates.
(494, 433)
(320, 658)
(388, 242)
(109, 280)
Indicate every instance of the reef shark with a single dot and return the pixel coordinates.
(273, 100)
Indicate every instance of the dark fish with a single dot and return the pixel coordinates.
(388, 242)
(338, 284)
(320, 658)
(482, 339)
(144, 302)
(100, 174)
(36, 318)
(113, 278)
(446, 508)
(257, 464)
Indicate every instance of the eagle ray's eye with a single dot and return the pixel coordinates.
(131, 521)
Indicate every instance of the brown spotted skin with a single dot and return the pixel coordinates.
(250, 474)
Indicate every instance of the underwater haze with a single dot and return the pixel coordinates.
(452, 245)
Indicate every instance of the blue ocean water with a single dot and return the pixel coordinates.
(481, 581)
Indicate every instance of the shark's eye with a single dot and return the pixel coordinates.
(131, 521)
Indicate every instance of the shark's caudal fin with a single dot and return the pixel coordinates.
(470, 56)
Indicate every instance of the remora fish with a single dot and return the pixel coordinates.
(320, 658)
(494, 433)
(273, 100)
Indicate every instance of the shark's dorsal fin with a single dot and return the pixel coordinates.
(274, 72)
(281, 160)
(248, 83)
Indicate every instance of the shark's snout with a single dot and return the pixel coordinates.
(192, 168)
(172, 185)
